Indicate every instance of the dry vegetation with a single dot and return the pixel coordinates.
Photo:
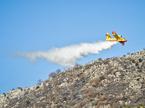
(117, 82)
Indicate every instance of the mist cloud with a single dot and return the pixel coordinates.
(67, 56)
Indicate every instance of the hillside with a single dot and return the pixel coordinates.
(110, 83)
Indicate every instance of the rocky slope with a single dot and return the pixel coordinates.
(110, 83)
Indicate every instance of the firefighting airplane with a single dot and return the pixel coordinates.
(117, 38)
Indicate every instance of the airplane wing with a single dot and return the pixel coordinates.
(117, 37)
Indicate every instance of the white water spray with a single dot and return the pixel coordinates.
(67, 56)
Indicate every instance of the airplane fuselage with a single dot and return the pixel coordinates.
(116, 38)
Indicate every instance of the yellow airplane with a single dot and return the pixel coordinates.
(117, 38)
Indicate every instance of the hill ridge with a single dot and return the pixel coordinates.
(110, 83)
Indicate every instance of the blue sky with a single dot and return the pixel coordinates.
(40, 25)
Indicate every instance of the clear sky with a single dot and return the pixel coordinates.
(39, 25)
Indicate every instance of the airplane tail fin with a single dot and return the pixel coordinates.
(108, 36)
